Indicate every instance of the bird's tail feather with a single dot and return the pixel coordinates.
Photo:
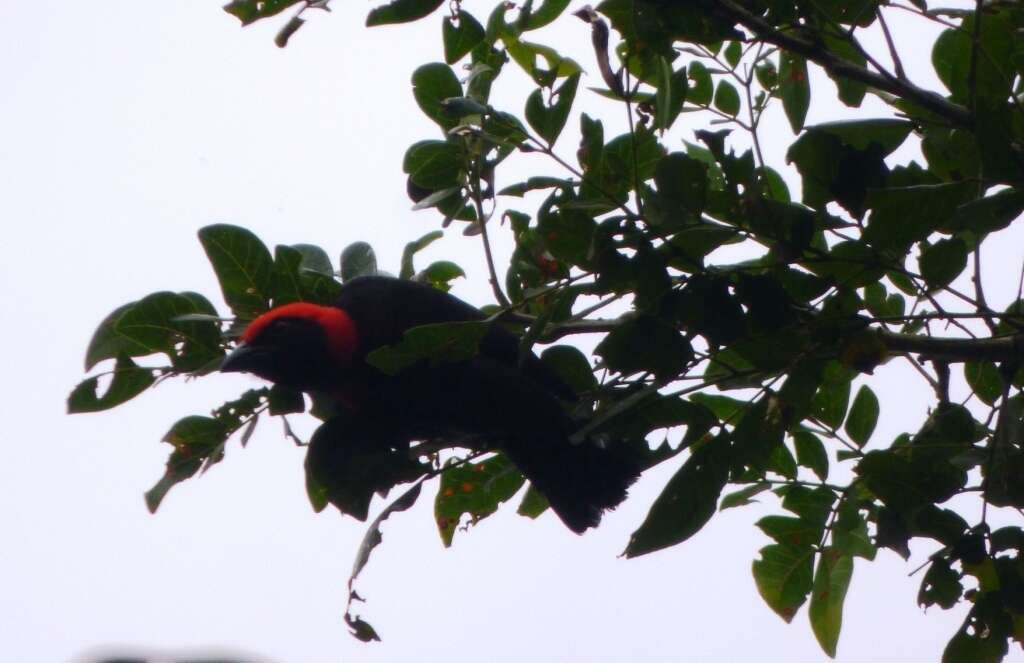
(580, 481)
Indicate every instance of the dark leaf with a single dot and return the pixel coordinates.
(128, 382)
(863, 416)
(943, 261)
(358, 259)
(783, 576)
(831, 580)
(549, 120)
(727, 99)
(534, 503)
(810, 453)
(460, 35)
(572, 366)
(412, 248)
(433, 164)
(794, 88)
(983, 377)
(432, 84)
(243, 266)
(645, 344)
(401, 11)
(249, 11)
(687, 502)
(743, 496)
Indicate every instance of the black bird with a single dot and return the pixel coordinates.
(498, 398)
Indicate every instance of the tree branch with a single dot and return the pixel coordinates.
(956, 114)
(954, 350)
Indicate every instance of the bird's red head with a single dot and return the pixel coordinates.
(301, 345)
(338, 327)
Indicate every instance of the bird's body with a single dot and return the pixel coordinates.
(499, 398)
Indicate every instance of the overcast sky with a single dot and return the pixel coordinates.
(128, 125)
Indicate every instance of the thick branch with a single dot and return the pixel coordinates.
(955, 350)
(816, 53)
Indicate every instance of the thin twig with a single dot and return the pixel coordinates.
(893, 53)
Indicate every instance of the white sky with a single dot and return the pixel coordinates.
(127, 126)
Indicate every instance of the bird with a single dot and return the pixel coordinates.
(501, 398)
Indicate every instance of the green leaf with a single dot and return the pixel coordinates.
(476, 489)
(549, 120)
(842, 161)
(106, 343)
(851, 92)
(783, 576)
(794, 88)
(347, 464)
(830, 403)
(701, 87)
(401, 11)
(548, 11)
(901, 216)
(733, 53)
(637, 154)
(432, 84)
(534, 503)
(683, 180)
(688, 501)
(850, 531)
(990, 213)
(250, 11)
(441, 273)
(727, 99)
(303, 273)
(314, 260)
(977, 647)
(940, 586)
(414, 247)
(128, 382)
(743, 496)
(433, 164)
(863, 416)
(243, 266)
(943, 261)
(984, 379)
(439, 343)
(358, 259)
(951, 58)
(525, 54)
(907, 481)
(671, 95)
(460, 36)
(572, 366)
(812, 504)
(790, 531)
(195, 440)
(831, 580)
(724, 407)
(645, 344)
(810, 453)
(152, 325)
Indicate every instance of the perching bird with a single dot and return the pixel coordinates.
(498, 398)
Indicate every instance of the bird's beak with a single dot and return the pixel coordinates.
(242, 359)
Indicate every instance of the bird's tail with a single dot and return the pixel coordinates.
(580, 481)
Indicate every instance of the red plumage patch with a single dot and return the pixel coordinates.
(340, 329)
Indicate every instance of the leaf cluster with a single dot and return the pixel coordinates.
(752, 318)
